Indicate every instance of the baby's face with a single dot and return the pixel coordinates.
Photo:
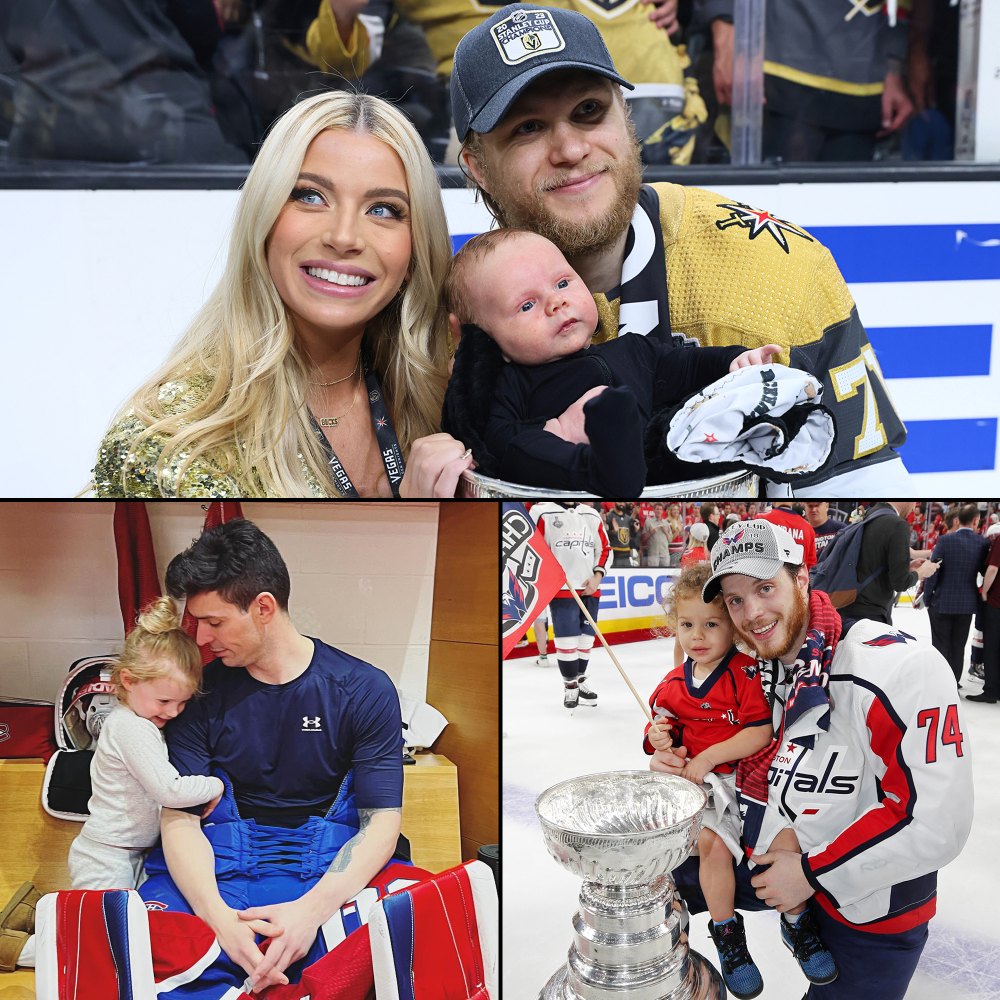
(532, 303)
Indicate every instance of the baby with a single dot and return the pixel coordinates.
(525, 356)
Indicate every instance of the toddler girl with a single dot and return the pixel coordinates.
(157, 673)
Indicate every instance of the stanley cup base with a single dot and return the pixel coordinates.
(702, 982)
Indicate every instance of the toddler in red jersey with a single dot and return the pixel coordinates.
(712, 710)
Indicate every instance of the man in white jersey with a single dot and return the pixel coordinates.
(577, 537)
(870, 767)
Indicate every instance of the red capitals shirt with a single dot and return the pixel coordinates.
(730, 698)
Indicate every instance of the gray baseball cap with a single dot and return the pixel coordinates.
(753, 548)
(497, 59)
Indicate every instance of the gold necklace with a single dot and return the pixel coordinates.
(337, 381)
(333, 421)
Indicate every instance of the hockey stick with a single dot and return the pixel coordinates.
(614, 659)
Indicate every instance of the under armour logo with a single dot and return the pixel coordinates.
(311, 725)
(4, 732)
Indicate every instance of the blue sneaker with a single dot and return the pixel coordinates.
(742, 977)
(803, 941)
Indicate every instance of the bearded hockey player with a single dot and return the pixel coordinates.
(870, 767)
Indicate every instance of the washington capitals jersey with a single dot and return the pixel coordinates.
(577, 538)
(883, 799)
(287, 748)
(729, 699)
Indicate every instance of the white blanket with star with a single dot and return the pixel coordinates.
(767, 417)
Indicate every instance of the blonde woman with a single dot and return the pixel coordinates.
(317, 367)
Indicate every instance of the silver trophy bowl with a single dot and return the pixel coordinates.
(623, 833)
(744, 485)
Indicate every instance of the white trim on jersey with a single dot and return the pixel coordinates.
(191, 974)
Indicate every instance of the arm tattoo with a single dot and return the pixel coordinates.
(343, 858)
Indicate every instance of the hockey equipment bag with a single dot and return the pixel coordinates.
(84, 702)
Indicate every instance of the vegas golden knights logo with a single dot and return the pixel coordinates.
(531, 41)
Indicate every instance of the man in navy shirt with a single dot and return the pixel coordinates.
(824, 524)
(308, 742)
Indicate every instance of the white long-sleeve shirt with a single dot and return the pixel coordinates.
(132, 778)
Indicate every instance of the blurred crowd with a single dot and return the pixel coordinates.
(200, 81)
(671, 533)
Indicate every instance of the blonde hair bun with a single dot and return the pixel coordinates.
(157, 646)
(158, 617)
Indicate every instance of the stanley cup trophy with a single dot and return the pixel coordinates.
(624, 832)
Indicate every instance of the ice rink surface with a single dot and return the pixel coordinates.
(543, 743)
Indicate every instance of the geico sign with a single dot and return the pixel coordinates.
(635, 590)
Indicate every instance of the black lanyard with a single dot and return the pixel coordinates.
(385, 434)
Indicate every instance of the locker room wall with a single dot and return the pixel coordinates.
(463, 675)
(362, 579)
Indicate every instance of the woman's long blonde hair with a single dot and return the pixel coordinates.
(253, 423)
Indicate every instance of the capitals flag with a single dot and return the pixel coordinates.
(530, 574)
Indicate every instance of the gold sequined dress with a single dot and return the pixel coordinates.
(127, 467)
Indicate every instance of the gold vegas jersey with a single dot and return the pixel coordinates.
(739, 275)
(641, 51)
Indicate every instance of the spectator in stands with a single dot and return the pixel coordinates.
(113, 81)
(657, 533)
(676, 522)
(832, 80)
(931, 79)
(259, 398)
(666, 110)
(623, 534)
(379, 43)
(952, 594)
(825, 526)
(885, 546)
(697, 546)
(990, 594)
(574, 175)
(710, 515)
(799, 528)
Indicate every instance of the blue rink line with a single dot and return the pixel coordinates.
(955, 252)
(950, 445)
(932, 351)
